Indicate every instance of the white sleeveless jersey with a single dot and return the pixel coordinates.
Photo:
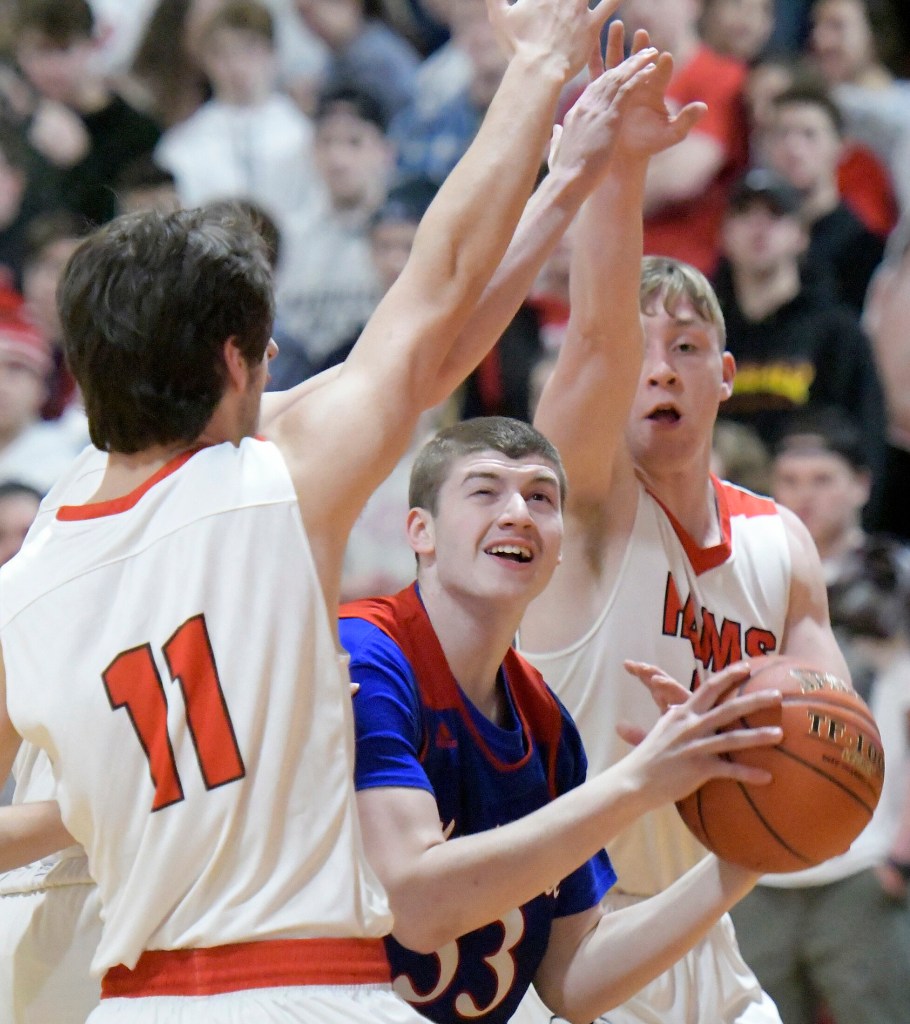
(32, 769)
(690, 610)
(172, 653)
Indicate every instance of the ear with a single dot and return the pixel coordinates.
(421, 531)
(238, 370)
(728, 369)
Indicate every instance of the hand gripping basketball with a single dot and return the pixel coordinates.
(827, 774)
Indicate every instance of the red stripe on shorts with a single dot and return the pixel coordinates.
(275, 963)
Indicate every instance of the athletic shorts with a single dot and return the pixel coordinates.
(49, 929)
(710, 984)
(299, 1004)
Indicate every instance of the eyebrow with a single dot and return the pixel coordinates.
(538, 478)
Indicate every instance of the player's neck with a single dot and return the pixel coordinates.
(475, 638)
(691, 497)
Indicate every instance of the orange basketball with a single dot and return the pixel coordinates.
(827, 775)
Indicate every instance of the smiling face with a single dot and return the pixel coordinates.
(497, 529)
(685, 376)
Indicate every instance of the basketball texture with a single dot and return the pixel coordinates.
(827, 775)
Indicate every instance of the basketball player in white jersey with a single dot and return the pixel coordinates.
(199, 727)
(663, 563)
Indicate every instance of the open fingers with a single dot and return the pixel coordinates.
(665, 690)
(640, 40)
(604, 10)
(616, 42)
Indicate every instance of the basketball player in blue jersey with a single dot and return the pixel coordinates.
(470, 773)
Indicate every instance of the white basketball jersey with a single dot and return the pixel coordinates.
(32, 769)
(172, 653)
(690, 610)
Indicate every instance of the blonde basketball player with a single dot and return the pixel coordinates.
(662, 563)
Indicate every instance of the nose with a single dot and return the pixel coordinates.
(661, 373)
(515, 512)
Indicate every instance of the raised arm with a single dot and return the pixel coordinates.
(584, 405)
(345, 438)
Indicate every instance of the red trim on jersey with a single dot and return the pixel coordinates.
(403, 618)
(745, 503)
(99, 509)
(731, 501)
(276, 963)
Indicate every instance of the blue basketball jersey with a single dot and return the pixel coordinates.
(417, 729)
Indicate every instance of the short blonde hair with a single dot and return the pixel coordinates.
(669, 281)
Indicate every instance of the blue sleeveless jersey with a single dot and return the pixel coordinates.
(417, 729)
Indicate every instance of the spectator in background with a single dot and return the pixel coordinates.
(32, 451)
(430, 138)
(805, 147)
(863, 179)
(18, 507)
(248, 141)
(14, 170)
(857, 46)
(791, 928)
(145, 185)
(737, 28)
(886, 319)
(363, 52)
(166, 78)
(84, 129)
(326, 282)
(50, 241)
(447, 71)
(795, 346)
(687, 185)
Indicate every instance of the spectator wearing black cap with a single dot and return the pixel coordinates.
(791, 928)
(796, 346)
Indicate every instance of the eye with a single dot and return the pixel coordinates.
(543, 496)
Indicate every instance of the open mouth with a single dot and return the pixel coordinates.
(511, 552)
(664, 414)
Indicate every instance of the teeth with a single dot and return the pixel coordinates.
(512, 549)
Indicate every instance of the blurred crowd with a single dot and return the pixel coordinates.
(336, 120)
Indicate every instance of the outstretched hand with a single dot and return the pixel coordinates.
(622, 111)
(686, 747)
(563, 29)
(648, 124)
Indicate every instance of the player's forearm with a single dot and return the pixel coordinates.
(633, 945)
(602, 351)
(456, 886)
(547, 216)
(469, 225)
(29, 832)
